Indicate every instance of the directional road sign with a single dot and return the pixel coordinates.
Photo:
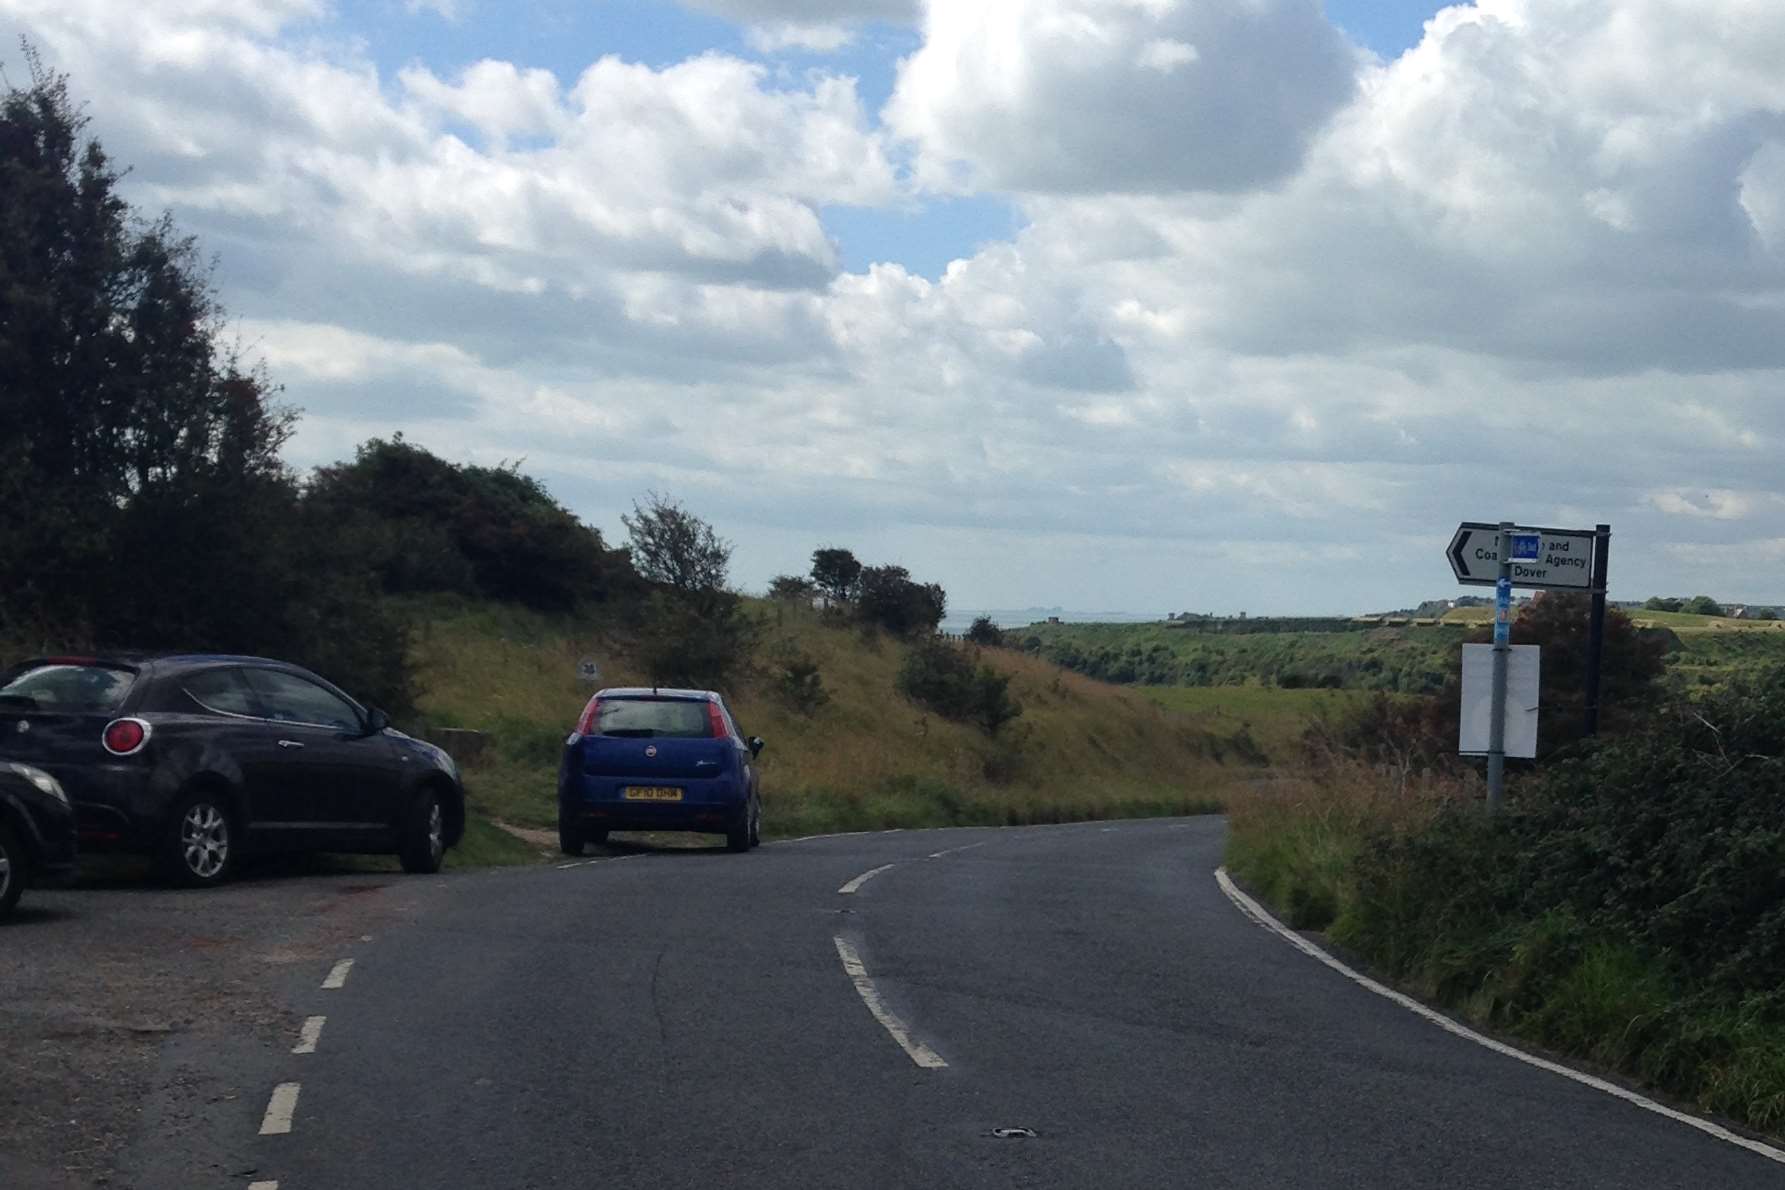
(1562, 558)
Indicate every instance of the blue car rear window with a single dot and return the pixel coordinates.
(654, 718)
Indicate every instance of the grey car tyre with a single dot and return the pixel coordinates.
(198, 844)
(14, 869)
(423, 846)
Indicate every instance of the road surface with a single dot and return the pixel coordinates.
(701, 1019)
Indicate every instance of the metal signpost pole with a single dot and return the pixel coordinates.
(1496, 758)
(1596, 630)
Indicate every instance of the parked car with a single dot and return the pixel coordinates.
(197, 760)
(37, 837)
(658, 760)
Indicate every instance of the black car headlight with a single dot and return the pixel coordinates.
(37, 777)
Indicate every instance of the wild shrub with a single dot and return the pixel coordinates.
(952, 683)
(983, 632)
(798, 684)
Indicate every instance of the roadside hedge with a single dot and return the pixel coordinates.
(1628, 908)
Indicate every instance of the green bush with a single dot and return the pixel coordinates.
(949, 681)
(423, 524)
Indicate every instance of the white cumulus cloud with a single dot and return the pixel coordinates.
(1092, 96)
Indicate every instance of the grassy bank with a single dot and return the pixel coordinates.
(1627, 910)
(1274, 718)
(866, 759)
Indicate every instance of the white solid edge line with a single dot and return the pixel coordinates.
(864, 878)
(1262, 916)
(309, 1035)
(337, 976)
(954, 850)
(917, 1051)
(277, 1121)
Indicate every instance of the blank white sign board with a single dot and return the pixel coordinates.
(1523, 669)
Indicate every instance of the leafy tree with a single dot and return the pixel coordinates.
(1702, 605)
(696, 631)
(836, 572)
(675, 549)
(791, 588)
(1658, 603)
(888, 597)
(113, 386)
(984, 632)
(147, 506)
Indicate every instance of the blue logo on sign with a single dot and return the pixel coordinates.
(1527, 547)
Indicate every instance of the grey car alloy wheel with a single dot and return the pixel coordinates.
(204, 840)
(6, 868)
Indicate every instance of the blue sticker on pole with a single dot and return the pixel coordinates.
(1526, 547)
(1503, 612)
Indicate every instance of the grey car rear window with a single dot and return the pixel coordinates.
(67, 687)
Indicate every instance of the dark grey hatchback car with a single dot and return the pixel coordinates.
(197, 760)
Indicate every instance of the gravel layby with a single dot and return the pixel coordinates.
(111, 989)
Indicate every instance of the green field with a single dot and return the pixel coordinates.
(1410, 660)
(1643, 618)
(1414, 658)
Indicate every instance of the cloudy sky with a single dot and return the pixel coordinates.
(1124, 304)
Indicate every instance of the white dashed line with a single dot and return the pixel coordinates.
(338, 976)
(855, 884)
(263, 1186)
(277, 1121)
(309, 1035)
(953, 850)
(917, 1051)
(1259, 914)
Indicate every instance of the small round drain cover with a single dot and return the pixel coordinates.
(1014, 1133)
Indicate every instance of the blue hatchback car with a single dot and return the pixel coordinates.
(658, 760)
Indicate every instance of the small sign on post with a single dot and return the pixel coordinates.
(1520, 704)
(587, 671)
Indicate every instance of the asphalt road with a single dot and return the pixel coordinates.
(689, 1019)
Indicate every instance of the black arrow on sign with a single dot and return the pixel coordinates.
(1456, 551)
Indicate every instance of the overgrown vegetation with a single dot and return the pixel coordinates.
(1628, 907)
